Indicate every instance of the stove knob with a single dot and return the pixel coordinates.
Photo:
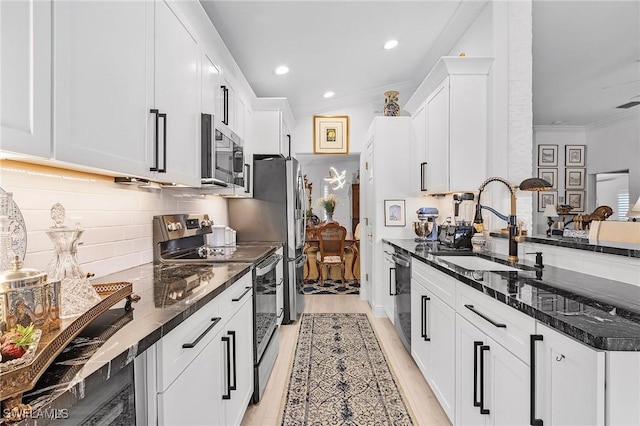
(171, 226)
(178, 225)
(205, 223)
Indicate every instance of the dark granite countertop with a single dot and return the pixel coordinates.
(602, 313)
(607, 247)
(169, 294)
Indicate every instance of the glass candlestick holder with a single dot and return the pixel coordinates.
(77, 293)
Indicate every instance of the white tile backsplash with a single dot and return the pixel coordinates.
(117, 219)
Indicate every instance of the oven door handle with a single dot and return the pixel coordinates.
(300, 261)
(268, 265)
(401, 260)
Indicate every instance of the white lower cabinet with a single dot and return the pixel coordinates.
(433, 341)
(204, 367)
(195, 397)
(569, 380)
(492, 383)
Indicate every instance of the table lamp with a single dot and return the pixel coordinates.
(634, 213)
(550, 212)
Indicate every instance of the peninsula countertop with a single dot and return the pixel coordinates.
(115, 338)
(601, 313)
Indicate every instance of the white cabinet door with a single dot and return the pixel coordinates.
(102, 84)
(239, 121)
(271, 128)
(237, 371)
(419, 149)
(25, 77)
(210, 86)
(389, 290)
(227, 104)
(437, 112)
(433, 336)
(440, 329)
(177, 94)
(492, 383)
(569, 380)
(194, 398)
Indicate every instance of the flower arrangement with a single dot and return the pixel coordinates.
(328, 203)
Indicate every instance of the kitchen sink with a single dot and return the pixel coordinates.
(474, 263)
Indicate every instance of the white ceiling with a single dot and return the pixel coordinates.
(586, 54)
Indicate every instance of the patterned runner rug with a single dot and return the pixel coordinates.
(340, 376)
(332, 287)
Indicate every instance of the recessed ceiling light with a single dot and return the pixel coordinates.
(390, 44)
(282, 69)
(328, 95)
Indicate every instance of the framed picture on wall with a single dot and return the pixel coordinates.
(547, 155)
(575, 199)
(394, 213)
(574, 155)
(330, 134)
(545, 198)
(550, 175)
(574, 178)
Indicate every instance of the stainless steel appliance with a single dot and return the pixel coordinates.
(276, 213)
(426, 228)
(402, 296)
(455, 236)
(180, 251)
(221, 155)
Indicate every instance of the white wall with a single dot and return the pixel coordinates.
(116, 218)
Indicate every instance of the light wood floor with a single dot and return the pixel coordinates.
(425, 407)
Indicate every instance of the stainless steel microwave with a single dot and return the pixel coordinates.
(222, 155)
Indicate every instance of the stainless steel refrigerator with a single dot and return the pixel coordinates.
(276, 213)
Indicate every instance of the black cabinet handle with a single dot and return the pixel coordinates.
(164, 143)
(423, 176)
(534, 338)
(246, 290)
(195, 342)
(289, 137)
(390, 292)
(247, 178)
(424, 318)
(482, 409)
(476, 345)
(225, 105)
(156, 167)
(227, 394)
(481, 315)
(235, 365)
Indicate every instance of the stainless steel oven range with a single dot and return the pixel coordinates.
(179, 243)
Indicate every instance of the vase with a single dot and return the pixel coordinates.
(391, 107)
(329, 216)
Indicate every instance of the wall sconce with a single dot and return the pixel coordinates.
(336, 180)
(550, 212)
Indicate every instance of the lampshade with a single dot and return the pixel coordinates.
(534, 184)
(634, 212)
(550, 211)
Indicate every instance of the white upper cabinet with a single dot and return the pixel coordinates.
(272, 131)
(127, 84)
(101, 82)
(450, 126)
(177, 94)
(25, 77)
(210, 86)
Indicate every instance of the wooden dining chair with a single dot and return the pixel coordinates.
(331, 237)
